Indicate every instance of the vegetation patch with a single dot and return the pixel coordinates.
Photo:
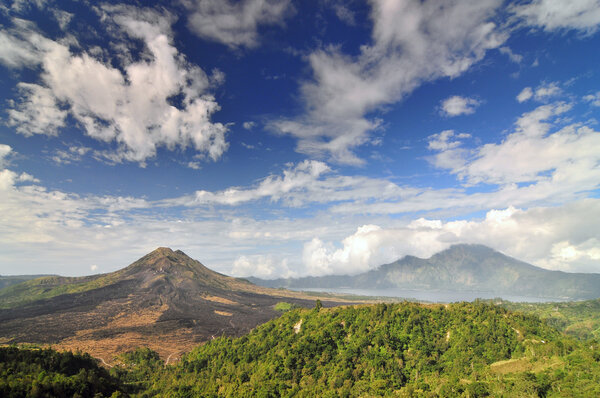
(284, 306)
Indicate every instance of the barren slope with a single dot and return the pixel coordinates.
(165, 300)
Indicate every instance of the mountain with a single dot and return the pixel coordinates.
(472, 268)
(165, 300)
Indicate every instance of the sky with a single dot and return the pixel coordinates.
(280, 138)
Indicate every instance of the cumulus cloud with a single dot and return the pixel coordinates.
(448, 143)
(525, 94)
(413, 42)
(131, 106)
(262, 266)
(552, 15)
(564, 238)
(542, 93)
(38, 111)
(533, 165)
(561, 153)
(235, 24)
(457, 105)
(5, 150)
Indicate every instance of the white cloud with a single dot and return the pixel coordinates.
(413, 42)
(37, 112)
(530, 152)
(296, 180)
(131, 107)
(194, 165)
(93, 267)
(73, 153)
(516, 58)
(542, 93)
(456, 105)
(551, 15)
(235, 24)
(343, 12)
(20, 47)
(249, 125)
(441, 141)
(450, 155)
(525, 94)
(262, 266)
(38, 221)
(593, 99)
(547, 90)
(565, 238)
(5, 150)
(62, 17)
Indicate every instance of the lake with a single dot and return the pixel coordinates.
(434, 296)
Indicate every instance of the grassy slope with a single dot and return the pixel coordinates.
(51, 286)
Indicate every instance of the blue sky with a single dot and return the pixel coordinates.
(284, 138)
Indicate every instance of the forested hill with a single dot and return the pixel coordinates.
(473, 268)
(466, 349)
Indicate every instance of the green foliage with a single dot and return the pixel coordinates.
(284, 306)
(406, 350)
(580, 319)
(47, 373)
(358, 351)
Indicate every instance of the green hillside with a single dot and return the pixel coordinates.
(9, 280)
(390, 350)
(580, 319)
(51, 286)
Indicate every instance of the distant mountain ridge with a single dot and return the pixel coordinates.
(463, 267)
(165, 300)
(9, 280)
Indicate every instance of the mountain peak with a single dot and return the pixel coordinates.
(466, 249)
(162, 251)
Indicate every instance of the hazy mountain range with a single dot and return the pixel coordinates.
(472, 268)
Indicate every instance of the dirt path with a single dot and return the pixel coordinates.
(169, 357)
(104, 362)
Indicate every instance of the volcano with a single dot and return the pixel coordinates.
(166, 301)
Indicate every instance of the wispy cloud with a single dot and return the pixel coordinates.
(413, 42)
(552, 15)
(235, 24)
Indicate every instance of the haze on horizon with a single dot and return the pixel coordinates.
(279, 138)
